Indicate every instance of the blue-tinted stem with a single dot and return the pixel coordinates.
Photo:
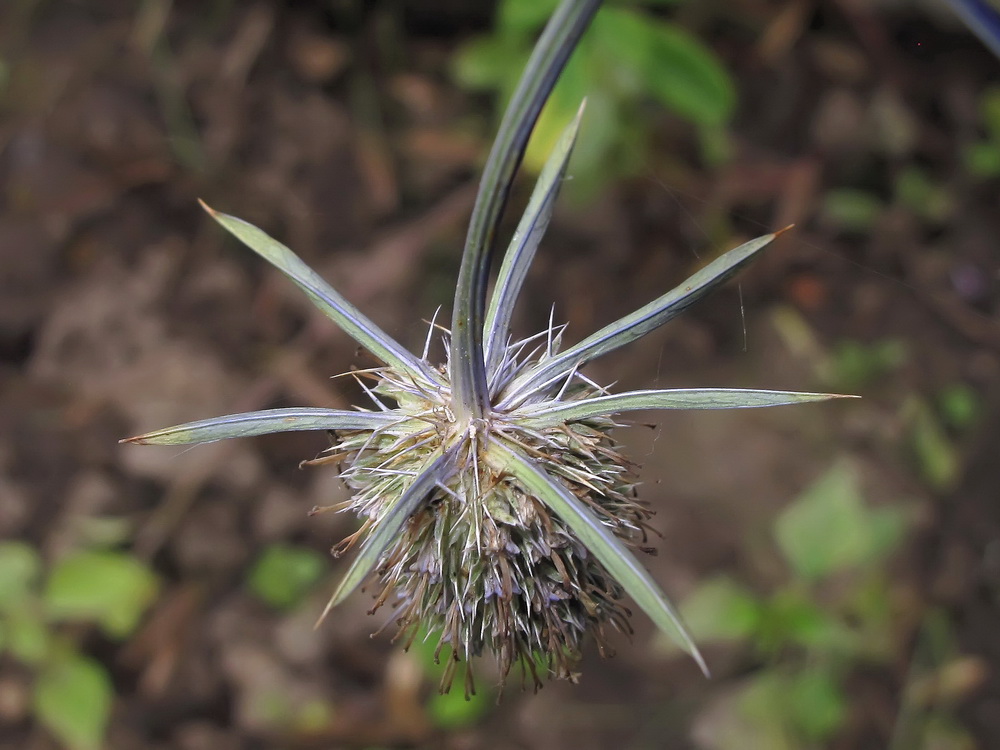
(468, 367)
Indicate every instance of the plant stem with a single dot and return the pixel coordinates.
(468, 369)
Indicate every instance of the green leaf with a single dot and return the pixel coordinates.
(522, 17)
(916, 192)
(111, 588)
(328, 300)
(72, 699)
(792, 616)
(982, 159)
(721, 610)
(856, 364)
(795, 710)
(989, 105)
(677, 69)
(264, 422)
(27, 637)
(283, 574)
(762, 703)
(388, 525)
(562, 106)
(485, 63)
(816, 704)
(961, 406)
(851, 209)
(598, 539)
(936, 457)
(523, 245)
(678, 398)
(634, 326)
(452, 710)
(828, 528)
(20, 567)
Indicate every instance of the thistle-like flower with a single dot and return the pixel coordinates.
(497, 510)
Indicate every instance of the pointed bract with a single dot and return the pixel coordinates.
(327, 299)
(523, 245)
(647, 318)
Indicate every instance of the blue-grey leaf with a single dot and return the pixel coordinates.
(264, 422)
(327, 299)
(522, 247)
(598, 539)
(634, 326)
(546, 415)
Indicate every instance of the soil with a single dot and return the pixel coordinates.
(337, 127)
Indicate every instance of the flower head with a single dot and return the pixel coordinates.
(497, 509)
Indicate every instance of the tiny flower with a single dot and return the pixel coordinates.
(497, 510)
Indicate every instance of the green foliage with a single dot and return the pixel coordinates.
(72, 694)
(72, 698)
(855, 365)
(454, 709)
(831, 614)
(851, 209)
(916, 192)
(628, 58)
(284, 574)
(960, 406)
(937, 460)
(110, 588)
(722, 610)
(830, 529)
(20, 569)
(795, 708)
(982, 157)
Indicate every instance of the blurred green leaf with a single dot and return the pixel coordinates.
(960, 406)
(870, 605)
(989, 107)
(111, 588)
(524, 16)
(763, 703)
(937, 459)
(791, 616)
(795, 710)
(20, 567)
(314, 716)
(827, 529)
(982, 159)
(888, 526)
(486, 62)
(562, 107)
(674, 67)
(27, 639)
(855, 364)
(916, 192)
(72, 699)
(452, 711)
(816, 703)
(851, 209)
(721, 610)
(628, 58)
(283, 574)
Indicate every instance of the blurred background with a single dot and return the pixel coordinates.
(839, 563)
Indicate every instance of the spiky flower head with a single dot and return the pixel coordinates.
(497, 510)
